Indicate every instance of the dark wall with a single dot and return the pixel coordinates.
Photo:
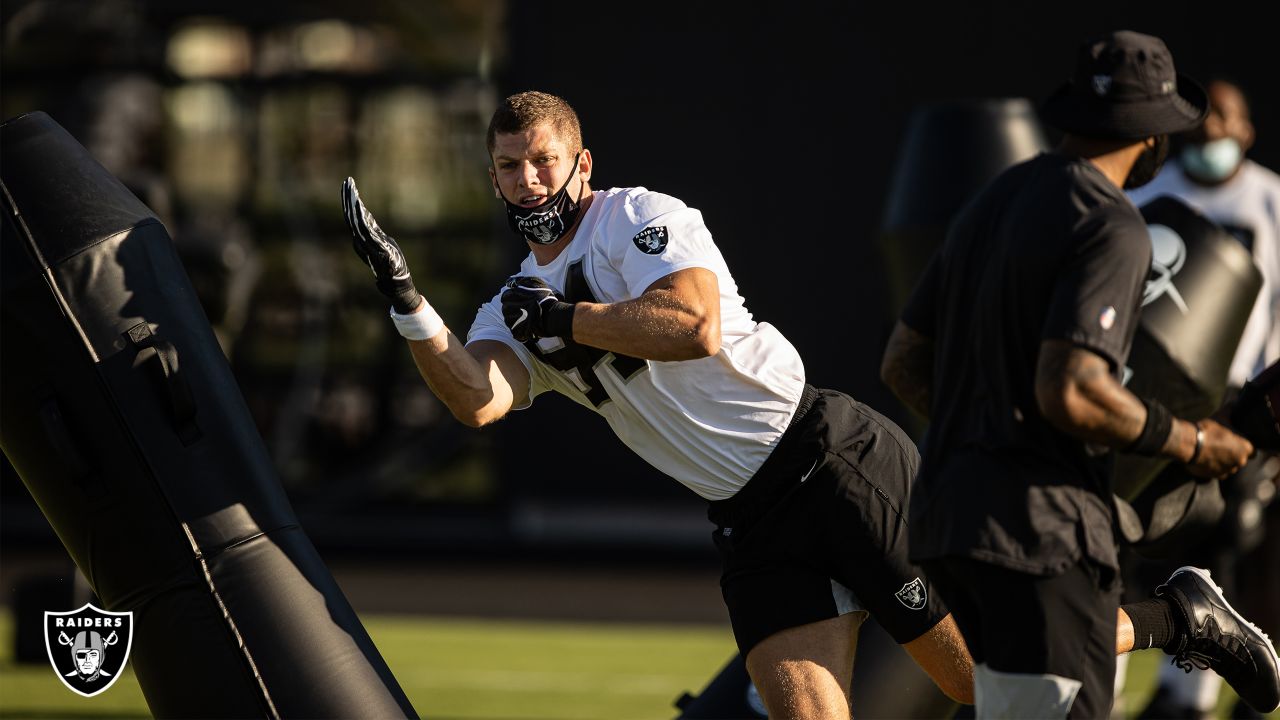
(781, 122)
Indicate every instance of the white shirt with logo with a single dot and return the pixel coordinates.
(710, 422)
(1248, 202)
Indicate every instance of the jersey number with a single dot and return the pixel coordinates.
(579, 362)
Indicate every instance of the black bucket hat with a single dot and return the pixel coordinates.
(1125, 88)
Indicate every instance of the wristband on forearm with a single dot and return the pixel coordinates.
(1155, 431)
(422, 325)
(558, 320)
(1199, 443)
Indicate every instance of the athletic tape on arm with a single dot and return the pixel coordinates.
(421, 325)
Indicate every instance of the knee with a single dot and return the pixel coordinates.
(804, 672)
(799, 689)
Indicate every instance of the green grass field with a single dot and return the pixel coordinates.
(474, 669)
(494, 670)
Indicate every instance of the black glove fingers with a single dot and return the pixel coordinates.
(379, 251)
(350, 201)
(369, 240)
(357, 238)
(368, 225)
(358, 216)
(526, 281)
(532, 290)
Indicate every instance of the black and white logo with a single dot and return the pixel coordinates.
(651, 240)
(88, 647)
(546, 226)
(1101, 84)
(913, 595)
(1168, 255)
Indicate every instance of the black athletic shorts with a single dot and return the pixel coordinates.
(820, 530)
(1016, 623)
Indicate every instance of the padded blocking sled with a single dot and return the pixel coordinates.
(122, 417)
(1202, 287)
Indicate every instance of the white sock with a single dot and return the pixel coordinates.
(1122, 668)
(1118, 709)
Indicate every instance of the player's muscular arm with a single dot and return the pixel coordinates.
(676, 318)
(907, 367)
(479, 383)
(1077, 394)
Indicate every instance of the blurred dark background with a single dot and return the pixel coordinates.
(237, 121)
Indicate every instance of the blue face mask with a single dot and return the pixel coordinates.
(1213, 161)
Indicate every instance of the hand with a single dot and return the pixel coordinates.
(533, 310)
(380, 252)
(1222, 453)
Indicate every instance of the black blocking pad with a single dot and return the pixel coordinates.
(1202, 287)
(123, 419)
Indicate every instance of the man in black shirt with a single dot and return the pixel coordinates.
(1013, 343)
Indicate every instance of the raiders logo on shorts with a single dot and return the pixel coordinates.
(913, 595)
(651, 240)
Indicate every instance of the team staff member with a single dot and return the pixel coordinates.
(1013, 343)
(626, 306)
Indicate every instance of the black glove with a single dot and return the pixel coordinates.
(533, 310)
(380, 252)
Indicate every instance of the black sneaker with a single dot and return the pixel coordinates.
(1214, 636)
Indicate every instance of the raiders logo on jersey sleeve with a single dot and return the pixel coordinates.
(651, 240)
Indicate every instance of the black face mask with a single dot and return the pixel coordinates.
(548, 222)
(1148, 164)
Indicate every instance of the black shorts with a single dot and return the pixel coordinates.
(1016, 623)
(821, 530)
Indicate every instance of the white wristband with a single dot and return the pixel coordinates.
(421, 325)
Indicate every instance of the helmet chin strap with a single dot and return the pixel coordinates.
(549, 221)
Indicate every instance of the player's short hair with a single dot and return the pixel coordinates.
(527, 109)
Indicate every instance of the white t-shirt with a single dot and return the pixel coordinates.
(1248, 206)
(709, 423)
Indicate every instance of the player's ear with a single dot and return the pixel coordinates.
(493, 180)
(584, 165)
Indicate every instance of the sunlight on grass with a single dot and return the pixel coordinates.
(483, 669)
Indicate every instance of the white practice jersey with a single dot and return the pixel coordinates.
(709, 423)
(1247, 206)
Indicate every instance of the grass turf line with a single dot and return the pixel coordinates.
(483, 669)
